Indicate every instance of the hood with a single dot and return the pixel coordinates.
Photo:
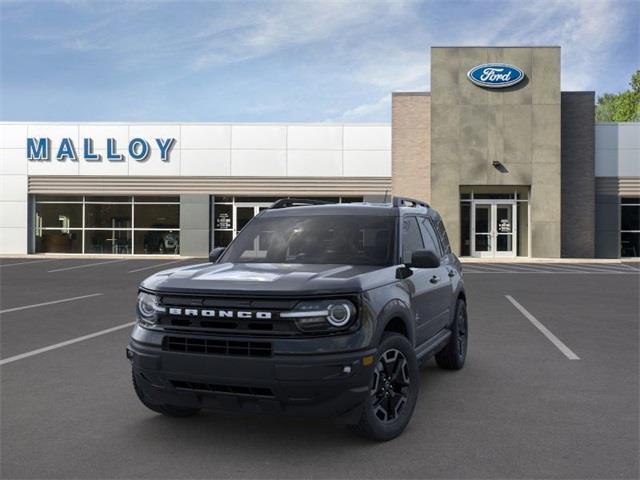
(268, 278)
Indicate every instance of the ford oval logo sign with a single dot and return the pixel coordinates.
(495, 75)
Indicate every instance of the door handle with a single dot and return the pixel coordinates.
(452, 273)
(435, 279)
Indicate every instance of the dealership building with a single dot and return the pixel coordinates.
(516, 167)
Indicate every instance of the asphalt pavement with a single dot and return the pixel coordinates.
(521, 408)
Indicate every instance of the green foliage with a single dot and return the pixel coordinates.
(621, 107)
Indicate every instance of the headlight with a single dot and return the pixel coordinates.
(148, 308)
(323, 315)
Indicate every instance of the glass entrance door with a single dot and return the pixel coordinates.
(243, 212)
(493, 223)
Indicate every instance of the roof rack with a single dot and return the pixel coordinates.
(405, 201)
(296, 202)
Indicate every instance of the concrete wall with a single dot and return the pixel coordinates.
(411, 145)
(518, 126)
(194, 225)
(578, 175)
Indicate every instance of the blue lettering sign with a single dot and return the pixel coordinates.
(39, 150)
(112, 155)
(138, 149)
(165, 146)
(66, 151)
(89, 155)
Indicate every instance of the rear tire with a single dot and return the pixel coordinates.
(394, 388)
(169, 410)
(454, 354)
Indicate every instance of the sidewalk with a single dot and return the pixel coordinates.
(548, 260)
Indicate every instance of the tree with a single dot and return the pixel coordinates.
(621, 107)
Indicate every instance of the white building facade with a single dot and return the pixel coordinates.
(117, 188)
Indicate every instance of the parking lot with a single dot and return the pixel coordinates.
(550, 389)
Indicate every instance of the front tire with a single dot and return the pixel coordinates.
(454, 354)
(169, 410)
(394, 388)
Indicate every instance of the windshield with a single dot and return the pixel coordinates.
(331, 239)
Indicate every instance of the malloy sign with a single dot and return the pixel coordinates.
(495, 75)
(40, 149)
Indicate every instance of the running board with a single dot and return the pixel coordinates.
(434, 344)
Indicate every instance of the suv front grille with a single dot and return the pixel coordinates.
(228, 389)
(209, 346)
(274, 326)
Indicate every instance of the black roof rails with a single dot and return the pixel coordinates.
(297, 202)
(403, 201)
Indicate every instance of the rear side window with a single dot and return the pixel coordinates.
(429, 235)
(411, 238)
(442, 233)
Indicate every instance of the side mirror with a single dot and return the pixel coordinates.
(424, 259)
(215, 254)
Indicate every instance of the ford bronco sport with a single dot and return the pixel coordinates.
(313, 309)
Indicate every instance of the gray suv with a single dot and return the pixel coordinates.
(313, 310)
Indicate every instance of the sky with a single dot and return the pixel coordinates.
(276, 61)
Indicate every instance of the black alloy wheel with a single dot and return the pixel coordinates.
(390, 389)
(393, 391)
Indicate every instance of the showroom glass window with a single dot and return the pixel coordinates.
(96, 224)
(630, 227)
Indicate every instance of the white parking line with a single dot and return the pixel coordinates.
(35, 305)
(154, 266)
(15, 358)
(27, 263)
(87, 265)
(530, 268)
(482, 268)
(544, 330)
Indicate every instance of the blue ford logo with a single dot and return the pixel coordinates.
(495, 75)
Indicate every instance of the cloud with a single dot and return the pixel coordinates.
(287, 61)
(368, 110)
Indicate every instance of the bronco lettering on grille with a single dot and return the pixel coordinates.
(194, 312)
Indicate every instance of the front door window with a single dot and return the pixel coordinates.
(482, 224)
(494, 228)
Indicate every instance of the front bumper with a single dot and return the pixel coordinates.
(324, 384)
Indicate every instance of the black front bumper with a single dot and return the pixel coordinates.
(323, 384)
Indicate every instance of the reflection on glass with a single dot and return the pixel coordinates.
(222, 238)
(465, 229)
(108, 216)
(630, 244)
(58, 215)
(630, 217)
(157, 216)
(244, 215)
(223, 217)
(483, 214)
(155, 199)
(504, 243)
(58, 241)
(157, 242)
(504, 220)
(107, 241)
(483, 243)
(118, 199)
